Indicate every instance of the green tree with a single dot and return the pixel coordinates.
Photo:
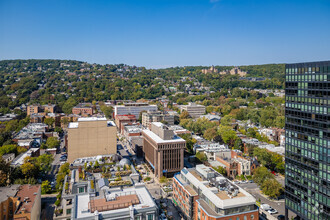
(184, 115)
(45, 187)
(50, 122)
(272, 188)
(68, 105)
(210, 133)
(201, 156)
(261, 174)
(4, 171)
(6, 149)
(221, 170)
(228, 135)
(29, 169)
(52, 142)
(227, 120)
(44, 162)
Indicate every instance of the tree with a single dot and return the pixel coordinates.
(52, 142)
(220, 170)
(50, 122)
(261, 174)
(29, 169)
(201, 156)
(64, 121)
(272, 188)
(210, 133)
(45, 187)
(107, 111)
(227, 120)
(163, 179)
(238, 144)
(68, 105)
(96, 164)
(184, 115)
(44, 162)
(4, 171)
(228, 135)
(6, 149)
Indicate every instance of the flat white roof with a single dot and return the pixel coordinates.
(145, 198)
(159, 140)
(92, 119)
(73, 125)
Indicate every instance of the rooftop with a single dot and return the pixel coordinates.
(19, 160)
(159, 140)
(114, 201)
(8, 191)
(219, 190)
(89, 119)
(27, 193)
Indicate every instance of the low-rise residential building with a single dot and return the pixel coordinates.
(33, 131)
(83, 109)
(193, 109)
(43, 109)
(20, 202)
(19, 160)
(234, 165)
(210, 148)
(203, 193)
(132, 130)
(8, 157)
(121, 119)
(163, 150)
(211, 117)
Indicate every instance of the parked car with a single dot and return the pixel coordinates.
(251, 181)
(272, 211)
(265, 207)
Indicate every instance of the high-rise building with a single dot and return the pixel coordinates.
(163, 150)
(307, 141)
(91, 137)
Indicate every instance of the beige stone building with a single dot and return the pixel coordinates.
(91, 137)
(20, 202)
(163, 150)
(194, 110)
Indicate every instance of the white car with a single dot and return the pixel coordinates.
(272, 211)
(265, 207)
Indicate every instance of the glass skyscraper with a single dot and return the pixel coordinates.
(307, 133)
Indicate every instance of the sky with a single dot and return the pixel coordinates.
(165, 33)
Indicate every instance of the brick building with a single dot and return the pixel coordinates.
(203, 193)
(83, 109)
(20, 202)
(121, 119)
(163, 150)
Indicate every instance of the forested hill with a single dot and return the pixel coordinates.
(49, 81)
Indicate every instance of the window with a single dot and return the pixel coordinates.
(68, 211)
(245, 218)
(150, 217)
(81, 190)
(252, 216)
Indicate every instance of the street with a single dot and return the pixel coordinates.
(254, 190)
